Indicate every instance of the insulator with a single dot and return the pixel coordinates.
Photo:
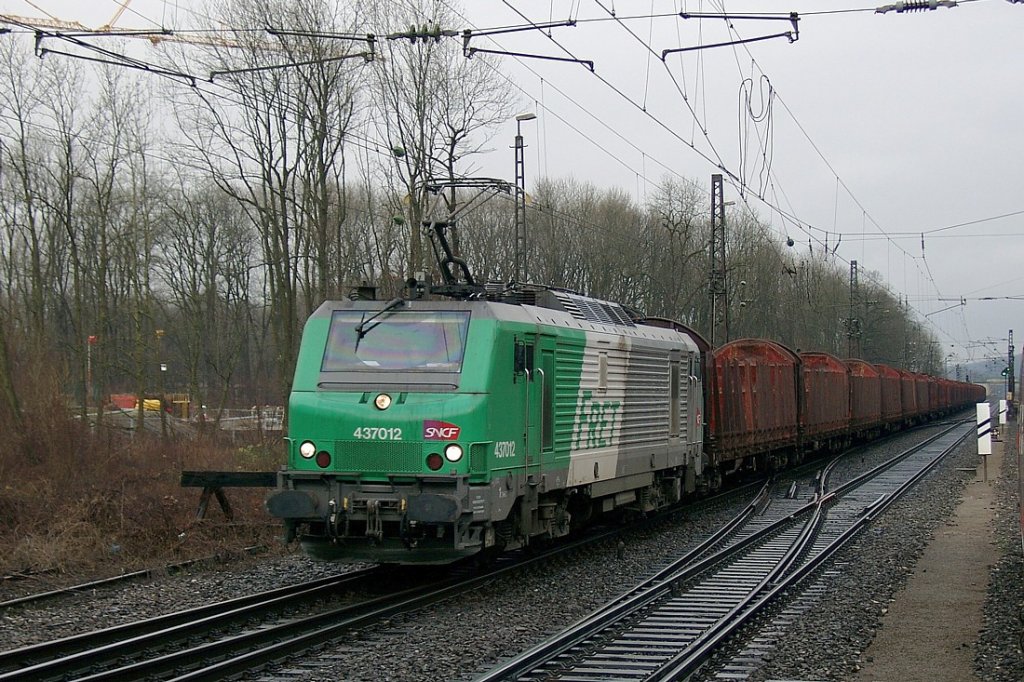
(915, 6)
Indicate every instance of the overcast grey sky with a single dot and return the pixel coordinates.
(882, 126)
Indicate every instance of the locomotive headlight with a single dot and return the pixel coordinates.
(453, 452)
(307, 449)
(382, 401)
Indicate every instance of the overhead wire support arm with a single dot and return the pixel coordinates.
(117, 62)
(41, 33)
(962, 302)
(367, 56)
(469, 34)
(787, 34)
(108, 56)
(585, 62)
(370, 39)
(792, 16)
(76, 29)
(793, 35)
(117, 34)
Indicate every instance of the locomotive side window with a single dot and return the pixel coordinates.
(673, 402)
(417, 341)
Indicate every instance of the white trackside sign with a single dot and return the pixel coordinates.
(984, 429)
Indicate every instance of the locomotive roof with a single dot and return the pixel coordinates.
(539, 306)
(580, 307)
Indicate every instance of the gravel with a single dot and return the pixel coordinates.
(828, 642)
(999, 652)
(459, 639)
(104, 607)
(497, 620)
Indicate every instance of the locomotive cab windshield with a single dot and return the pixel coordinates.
(403, 341)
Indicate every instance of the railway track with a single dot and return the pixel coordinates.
(145, 574)
(69, 656)
(667, 627)
(218, 640)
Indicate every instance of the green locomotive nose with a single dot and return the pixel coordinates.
(349, 434)
(379, 391)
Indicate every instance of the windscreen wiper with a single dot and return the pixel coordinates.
(362, 328)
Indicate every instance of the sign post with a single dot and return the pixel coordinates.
(984, 435)
(89, 343)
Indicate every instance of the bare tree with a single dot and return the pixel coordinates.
(39, 153)
(679, 242)
(205, 263)
(432, 105)
(274, 144)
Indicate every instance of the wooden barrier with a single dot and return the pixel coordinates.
(214, 482)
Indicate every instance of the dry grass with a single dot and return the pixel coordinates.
(80, 502)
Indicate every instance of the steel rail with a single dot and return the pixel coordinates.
(637, 601)
(637, 598)
(691, 659)
(73, 655)
(57, 657)
(113, 580)
(281, 649)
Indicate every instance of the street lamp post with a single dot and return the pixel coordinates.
(163, 369)
(89, 343)
(520, 262)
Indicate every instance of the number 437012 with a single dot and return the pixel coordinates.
(378, 433)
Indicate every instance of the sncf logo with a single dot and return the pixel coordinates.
(435, 430)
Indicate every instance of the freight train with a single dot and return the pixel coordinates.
(425, 431)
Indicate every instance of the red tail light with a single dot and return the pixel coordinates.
(323, 459)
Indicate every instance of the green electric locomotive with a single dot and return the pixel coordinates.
(424, 431)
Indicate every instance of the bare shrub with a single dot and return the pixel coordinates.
(75, 499)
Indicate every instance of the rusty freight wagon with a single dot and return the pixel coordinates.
(891, 385)
(753, 400)
(908, 395)
(825, 400)
(865, 396)
(922, 390)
